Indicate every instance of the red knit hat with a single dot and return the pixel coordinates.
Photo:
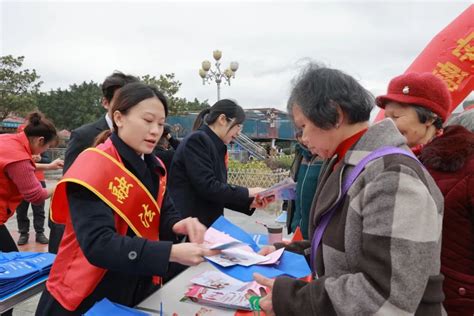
(422, 89)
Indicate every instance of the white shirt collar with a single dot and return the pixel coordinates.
(109, 121)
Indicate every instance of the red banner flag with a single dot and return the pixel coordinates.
(450, 56)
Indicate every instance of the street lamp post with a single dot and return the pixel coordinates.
(207, 74)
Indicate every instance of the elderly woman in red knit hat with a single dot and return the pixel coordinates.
(419, 103)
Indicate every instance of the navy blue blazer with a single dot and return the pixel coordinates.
(198, 179)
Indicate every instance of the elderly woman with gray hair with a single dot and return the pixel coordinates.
(375, 222)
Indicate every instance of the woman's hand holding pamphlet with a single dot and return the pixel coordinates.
(283, 190)
(234, 251)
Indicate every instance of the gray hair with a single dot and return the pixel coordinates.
(318, 91)
(465, 119)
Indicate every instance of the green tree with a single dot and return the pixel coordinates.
(73, 107)
(183, 106)
(166, 83)
(169, 86)
(17, 86)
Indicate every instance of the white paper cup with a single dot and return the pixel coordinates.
(275, 233)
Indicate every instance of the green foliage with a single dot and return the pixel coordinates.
(253, 165)
(166, 83)
(170, 86)
(73, 107)
(283, 162)
(77, 105)
(273, 163)
(17, 87)
(183, 106)
(81, 104)
(287, 151)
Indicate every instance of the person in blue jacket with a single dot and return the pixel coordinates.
(198, 173)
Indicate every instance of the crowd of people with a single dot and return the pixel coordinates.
(396, 238)
(385, 209)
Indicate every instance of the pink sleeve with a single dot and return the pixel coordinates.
(22, 173)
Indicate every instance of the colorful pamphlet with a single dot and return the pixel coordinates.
(235, 252)
(217, 280)
(217, 289)
(283, 190)
(290, 264)
(217, 240)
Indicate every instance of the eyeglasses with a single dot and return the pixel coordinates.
(239, 126)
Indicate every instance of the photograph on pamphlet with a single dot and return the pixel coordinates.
(283, 190)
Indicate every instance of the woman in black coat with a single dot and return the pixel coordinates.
(198, 174)
(104, 252)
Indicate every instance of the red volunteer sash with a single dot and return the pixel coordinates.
(117, 187)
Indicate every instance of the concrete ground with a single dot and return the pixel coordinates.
(247, 223)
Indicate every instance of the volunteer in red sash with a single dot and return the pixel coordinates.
(120, 222)
(17, 170)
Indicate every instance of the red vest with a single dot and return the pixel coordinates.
(13, 148)
(72, 277)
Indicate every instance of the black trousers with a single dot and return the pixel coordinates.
(38, 216)
(7, 244)
(56, 232)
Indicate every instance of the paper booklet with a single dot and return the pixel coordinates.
(234, 256)
(235, 252)
(215, 239)
(283, 190)
(217, 289)
(290, 264)
(227, 245)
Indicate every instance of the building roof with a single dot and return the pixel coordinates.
(265, 114)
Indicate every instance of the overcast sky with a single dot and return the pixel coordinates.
(74, 41)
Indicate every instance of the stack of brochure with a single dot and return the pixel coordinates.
(21, 269)
(217, 289)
